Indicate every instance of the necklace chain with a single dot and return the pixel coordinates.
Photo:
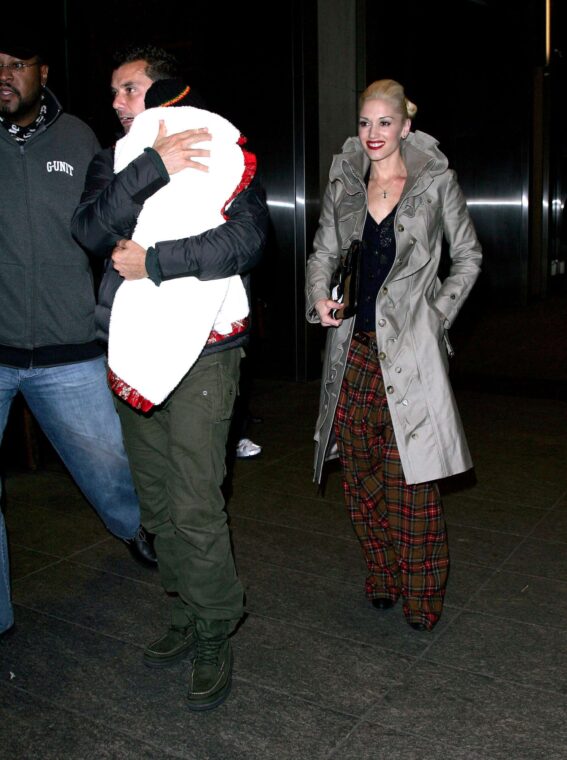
(385, 190)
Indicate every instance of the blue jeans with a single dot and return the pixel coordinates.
(74, 407)
(6, 613)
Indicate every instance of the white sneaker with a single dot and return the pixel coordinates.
(246, 449)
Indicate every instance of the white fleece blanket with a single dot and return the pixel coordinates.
(157, 332)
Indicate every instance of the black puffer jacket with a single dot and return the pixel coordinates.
(108, 211)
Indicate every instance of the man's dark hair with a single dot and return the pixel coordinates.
(160, 63)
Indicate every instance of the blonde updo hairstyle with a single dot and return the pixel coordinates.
(393, 92)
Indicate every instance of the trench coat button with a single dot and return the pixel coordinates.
(384, 290)
(453, 296)
(429, 200)
(414, 435)
(390, 389)
(400, 228)
(381, 355)
(398, 370)
(412, 241)
(381, 322)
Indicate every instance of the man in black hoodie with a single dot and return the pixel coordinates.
(48, 349)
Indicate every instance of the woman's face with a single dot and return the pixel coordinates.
(380, 129)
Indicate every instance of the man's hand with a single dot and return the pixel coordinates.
(177, 151)
(129, 260)
(324, 307)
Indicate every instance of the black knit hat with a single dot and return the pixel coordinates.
(21, 36)
(172, 92)
(23, 48)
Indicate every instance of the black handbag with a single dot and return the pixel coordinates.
(344, 283)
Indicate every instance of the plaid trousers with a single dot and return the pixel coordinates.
(401, 527)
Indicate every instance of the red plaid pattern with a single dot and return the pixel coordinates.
(401, 527)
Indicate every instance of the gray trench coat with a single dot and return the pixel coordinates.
(414, 308)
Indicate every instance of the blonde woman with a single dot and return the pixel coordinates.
(387, 408)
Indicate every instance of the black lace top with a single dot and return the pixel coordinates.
(378, 254)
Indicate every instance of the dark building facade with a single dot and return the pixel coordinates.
(487, 76)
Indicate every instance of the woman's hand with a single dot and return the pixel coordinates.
(324, 307)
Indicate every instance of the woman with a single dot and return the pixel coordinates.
(387, 407)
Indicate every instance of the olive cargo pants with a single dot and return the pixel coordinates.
(177, 453)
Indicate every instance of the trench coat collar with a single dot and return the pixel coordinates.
(423, 161)
(420, 154)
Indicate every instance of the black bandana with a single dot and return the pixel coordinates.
(21, 134)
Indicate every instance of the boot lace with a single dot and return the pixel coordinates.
(208, 650)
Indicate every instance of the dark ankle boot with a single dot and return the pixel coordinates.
(211, 673)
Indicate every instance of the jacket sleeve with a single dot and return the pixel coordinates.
(325, 257)
(234, 247)
(110, 203)
(465, 252)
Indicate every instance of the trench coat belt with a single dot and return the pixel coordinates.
(366, 337)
